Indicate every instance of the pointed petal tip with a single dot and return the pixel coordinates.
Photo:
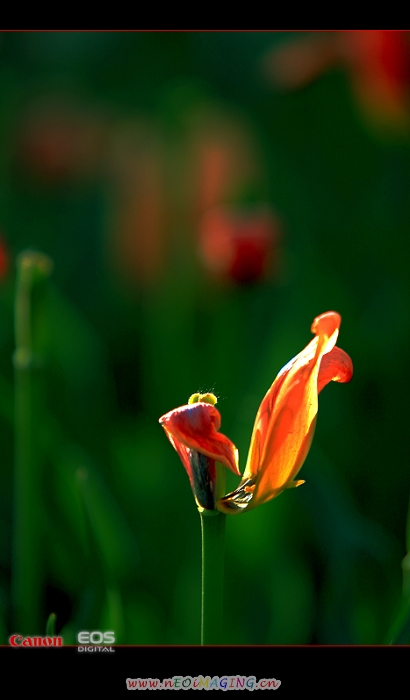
(295, 484)
(326, 323)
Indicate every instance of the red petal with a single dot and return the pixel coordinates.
(336, 366)
(195, 426)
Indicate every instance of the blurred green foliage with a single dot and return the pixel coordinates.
(101, 169)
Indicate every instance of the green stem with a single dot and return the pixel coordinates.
(51, 625)
(213, 531)
(30, 332)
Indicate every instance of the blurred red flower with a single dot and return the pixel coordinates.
(4, 258)
(237, 244)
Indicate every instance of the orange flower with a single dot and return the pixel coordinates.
(282, 433)
(376, 60)
(285, 422)
(193, 432)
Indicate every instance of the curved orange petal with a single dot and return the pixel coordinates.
(292, 404)
(336, 366)
(285, 422)
(195, 427)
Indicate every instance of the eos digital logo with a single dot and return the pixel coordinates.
(96, 641)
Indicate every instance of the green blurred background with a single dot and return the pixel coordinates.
(203, 196)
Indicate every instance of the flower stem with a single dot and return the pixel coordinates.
(31, 328)
(213, 531)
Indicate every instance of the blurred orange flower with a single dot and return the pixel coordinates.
(377, 61)
(60, 141)
(285, 422)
